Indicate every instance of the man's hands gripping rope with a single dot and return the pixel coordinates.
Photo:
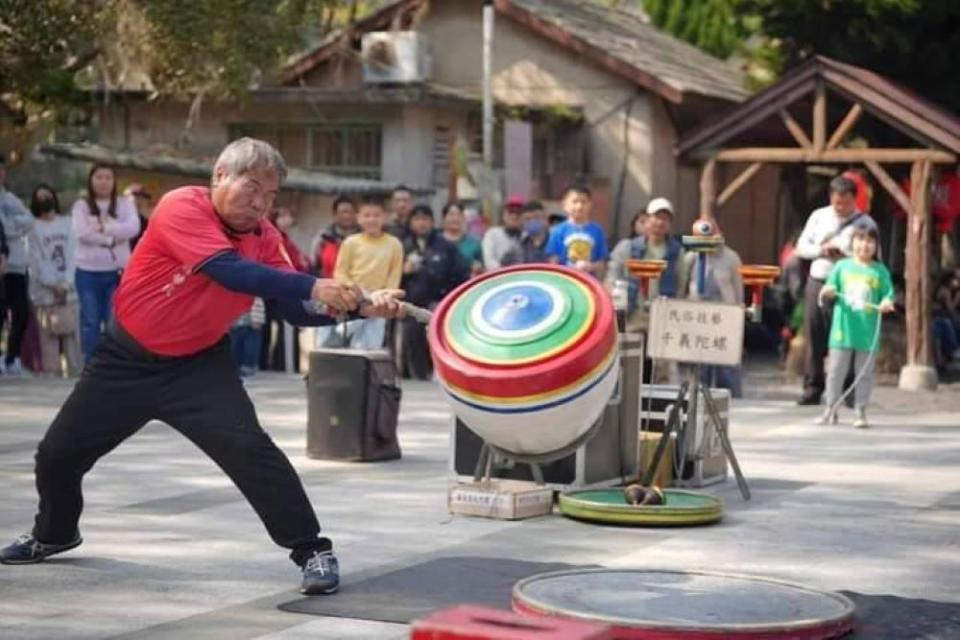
(339, 299)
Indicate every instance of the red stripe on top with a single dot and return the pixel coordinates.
(542, 376)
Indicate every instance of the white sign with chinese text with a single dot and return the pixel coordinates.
(691, 331)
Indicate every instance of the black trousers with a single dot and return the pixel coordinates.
(273, 354)
(416, 350)
(15, 299)
(122, 387)
(816, 329)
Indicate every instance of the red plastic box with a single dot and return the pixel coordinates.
(467, 622)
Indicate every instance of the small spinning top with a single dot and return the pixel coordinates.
(639, 495)
(758, 276)
(645, 271)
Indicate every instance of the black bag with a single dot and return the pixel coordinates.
(353, 403)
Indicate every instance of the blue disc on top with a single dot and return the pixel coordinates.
(517, 312)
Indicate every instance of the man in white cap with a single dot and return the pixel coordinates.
(656, 244)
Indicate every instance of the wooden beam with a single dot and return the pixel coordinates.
(792, 154)
(845, 126)
(708, 190)
(820, 117)
(919, 295)
(889, 184)
(738, 182)
(912, 120)
(795, 130)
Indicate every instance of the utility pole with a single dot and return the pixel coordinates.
(488, 13)
(486, 182)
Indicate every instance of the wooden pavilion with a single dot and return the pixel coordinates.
(853, 116)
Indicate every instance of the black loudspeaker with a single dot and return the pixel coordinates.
(353, 402)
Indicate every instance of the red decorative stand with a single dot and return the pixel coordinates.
(468, 622)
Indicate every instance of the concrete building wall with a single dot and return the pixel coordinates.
(157, 125)
(531, 71)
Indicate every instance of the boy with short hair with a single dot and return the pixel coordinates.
(578, 242)
(371, 259)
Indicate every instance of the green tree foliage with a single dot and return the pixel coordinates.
(711, 25)
(910, 41)
(53, 51)
(43, 43)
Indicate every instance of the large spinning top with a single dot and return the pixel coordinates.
(527, 356)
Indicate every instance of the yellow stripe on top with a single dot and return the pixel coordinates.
(574, 339)
(537, 397)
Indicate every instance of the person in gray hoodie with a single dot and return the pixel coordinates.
(17, 222)
(52, 292)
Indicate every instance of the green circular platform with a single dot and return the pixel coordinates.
(607, 506)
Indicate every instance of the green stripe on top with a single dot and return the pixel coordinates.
(672, 498)
(470, 341)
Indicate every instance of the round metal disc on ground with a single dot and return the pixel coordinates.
(607, 506)
(656, 604)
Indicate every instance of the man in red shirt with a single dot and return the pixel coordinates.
(166, 356)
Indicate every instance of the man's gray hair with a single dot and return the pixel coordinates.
(248, 154)
(843, 186)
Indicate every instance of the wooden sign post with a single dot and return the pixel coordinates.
(697, 333)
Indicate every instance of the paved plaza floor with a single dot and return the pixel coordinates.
(172, 550)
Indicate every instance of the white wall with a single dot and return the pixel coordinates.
(531, 71)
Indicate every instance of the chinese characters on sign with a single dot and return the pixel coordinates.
(689, 331)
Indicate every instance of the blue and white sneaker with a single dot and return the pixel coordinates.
(28, 550)
(321, 574)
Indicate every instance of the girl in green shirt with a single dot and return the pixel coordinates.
(863, 290)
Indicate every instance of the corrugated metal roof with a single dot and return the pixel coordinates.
(297, 179)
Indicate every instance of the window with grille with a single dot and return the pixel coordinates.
(346, 150)
(442, 147)
(289, 140)
(350, 150)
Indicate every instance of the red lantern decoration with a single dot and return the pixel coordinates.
(944, 201)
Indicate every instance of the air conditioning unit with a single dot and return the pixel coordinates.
(394, 57)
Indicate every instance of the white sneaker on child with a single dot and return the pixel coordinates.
(860, 422)
(828, 417)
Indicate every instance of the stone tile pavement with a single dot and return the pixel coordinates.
(173, 551)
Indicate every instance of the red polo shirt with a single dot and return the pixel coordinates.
(164, 301)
